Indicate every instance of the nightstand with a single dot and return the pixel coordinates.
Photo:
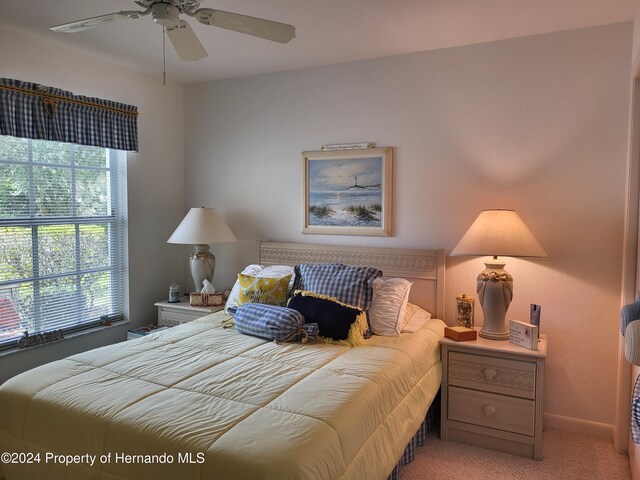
(172, 314)
(492, 395)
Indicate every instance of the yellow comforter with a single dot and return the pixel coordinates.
(202, 402)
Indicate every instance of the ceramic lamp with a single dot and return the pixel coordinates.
(202, 227)
(497, 233)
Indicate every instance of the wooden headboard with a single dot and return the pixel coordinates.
(423, 267)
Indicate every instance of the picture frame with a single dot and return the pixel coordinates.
(348, 192)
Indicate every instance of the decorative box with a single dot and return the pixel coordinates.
(460, 334)
(206, 299)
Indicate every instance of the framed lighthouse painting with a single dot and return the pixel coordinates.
(348, 192)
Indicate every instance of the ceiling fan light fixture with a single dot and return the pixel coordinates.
(165, 14)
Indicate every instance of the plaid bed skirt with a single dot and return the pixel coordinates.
(431, 423)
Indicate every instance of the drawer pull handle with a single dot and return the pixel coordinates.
(489, 410)
(489, 373)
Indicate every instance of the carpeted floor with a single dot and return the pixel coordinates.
(567, 456)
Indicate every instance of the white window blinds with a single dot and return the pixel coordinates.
(62, 236)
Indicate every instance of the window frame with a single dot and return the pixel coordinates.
(115, 220)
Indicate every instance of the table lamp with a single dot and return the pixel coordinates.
(497, 233)
(202, 227)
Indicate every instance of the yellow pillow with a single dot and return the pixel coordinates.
(272, 291)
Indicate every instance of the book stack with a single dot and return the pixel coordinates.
(146, 330)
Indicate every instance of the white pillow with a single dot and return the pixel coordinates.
(387, 312)
(273, 271)
(415, 318)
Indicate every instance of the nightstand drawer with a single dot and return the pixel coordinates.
(173, 314)
(171, 319)
(494, 411)
(493, 374)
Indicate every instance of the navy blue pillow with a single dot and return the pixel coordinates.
(335, 320)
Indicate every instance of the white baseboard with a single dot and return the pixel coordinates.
(576, 425)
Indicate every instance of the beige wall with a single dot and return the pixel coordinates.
(155, 176)
(538, 124)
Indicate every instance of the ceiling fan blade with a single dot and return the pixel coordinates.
(80, 25)
(258, 27)
(186, 43)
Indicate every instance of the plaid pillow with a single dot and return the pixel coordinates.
(273, 323)
(350, 285)
(635, 412)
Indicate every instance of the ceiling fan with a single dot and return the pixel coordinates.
(183, 38)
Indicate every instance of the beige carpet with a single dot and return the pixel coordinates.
(567, 456)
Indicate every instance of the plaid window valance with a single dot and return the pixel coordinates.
(30, 110)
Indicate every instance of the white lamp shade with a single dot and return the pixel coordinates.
(202, 226)
(499, 233)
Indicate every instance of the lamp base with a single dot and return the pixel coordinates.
(202, 263)
(494, 336)
(495, 291)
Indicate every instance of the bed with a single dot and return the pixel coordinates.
(200, 401)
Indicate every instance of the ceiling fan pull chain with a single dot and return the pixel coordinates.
(164, 59)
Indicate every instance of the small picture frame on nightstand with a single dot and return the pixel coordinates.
(523, 334)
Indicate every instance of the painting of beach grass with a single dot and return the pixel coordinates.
(348, 192)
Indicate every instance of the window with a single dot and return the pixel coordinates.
(62, 236)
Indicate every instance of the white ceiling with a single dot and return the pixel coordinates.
(327, 31)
